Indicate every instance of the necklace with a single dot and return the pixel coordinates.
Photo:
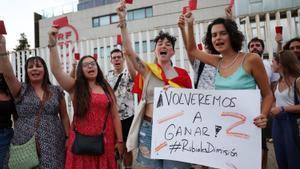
(230, 64)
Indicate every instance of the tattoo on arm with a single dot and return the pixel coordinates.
(139, 63)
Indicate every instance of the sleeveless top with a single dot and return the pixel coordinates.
(7, 108)
(285, 97)
(239, 79)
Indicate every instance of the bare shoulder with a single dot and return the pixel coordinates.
(253, 59)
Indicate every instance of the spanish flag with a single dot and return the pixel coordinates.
(183, 79)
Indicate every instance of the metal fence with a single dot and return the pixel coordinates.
(260, 25)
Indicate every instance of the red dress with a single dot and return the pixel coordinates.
(92, 125)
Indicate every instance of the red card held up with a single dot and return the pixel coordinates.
(61, 22)
(231, 4)
(129, 1)
(193, 4)
(185, 9)
(77, 56)
(119, 39)
(200, 46)
(95, 56)
(2, 28)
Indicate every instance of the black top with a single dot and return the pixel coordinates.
(7, 108)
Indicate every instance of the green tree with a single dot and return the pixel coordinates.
(23, 43)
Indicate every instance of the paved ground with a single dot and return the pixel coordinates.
(271, 160)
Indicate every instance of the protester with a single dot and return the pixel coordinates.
(204, 75)
(293, 44)
(8, 110)
(92, 99)
(286, 149)
(159, 74)
(121, 80)
(37, 91)
(236, 70)
(257, 46)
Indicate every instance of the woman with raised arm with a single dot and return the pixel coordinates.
(158, 74)
(95, 110)
(236, 70)
(37, 97)
(7, 110)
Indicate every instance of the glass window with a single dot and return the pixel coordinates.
(137, 47)
(104, 20)
(96, 22)
(130, 15)
(114, 18)
(149, 12)
(139, 13)
(101, 52)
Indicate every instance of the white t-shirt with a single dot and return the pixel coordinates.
(273, 77)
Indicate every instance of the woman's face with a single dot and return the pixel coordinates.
(164, 50)
(35, 71)
(220, 38)
(89, 68)
(275, 66)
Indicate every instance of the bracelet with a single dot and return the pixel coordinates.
(120, 142)
(122, 24)
(282, 109)
(4, 54)
(51, 45)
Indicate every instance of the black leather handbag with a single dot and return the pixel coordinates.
(90, 145)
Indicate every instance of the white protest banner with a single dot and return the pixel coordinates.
(208, 127)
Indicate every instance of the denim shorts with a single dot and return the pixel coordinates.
(6, 135)
(143, 157)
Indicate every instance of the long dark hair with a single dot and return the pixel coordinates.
(290, 64)
(46, 81)
(82, 90)
(3, 85)
(236, 36)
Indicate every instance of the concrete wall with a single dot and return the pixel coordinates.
(165, 14)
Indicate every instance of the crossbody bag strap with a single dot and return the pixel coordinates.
(37, 123)
(118, 82)
(296, 100)
(200, 70)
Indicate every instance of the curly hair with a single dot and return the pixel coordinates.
(162, 35)
(236, 37)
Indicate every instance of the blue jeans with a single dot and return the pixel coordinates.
(5, 138)
(286, 150)
(143, 157)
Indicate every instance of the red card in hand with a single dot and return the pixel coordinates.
(77, 56)
(193, 4)
(61, 22)
(278, 29)
(129, 1)
(2, 28)
(200, 46)
(231, 4)
(185, 9)
(119, 39)
(95, 56)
